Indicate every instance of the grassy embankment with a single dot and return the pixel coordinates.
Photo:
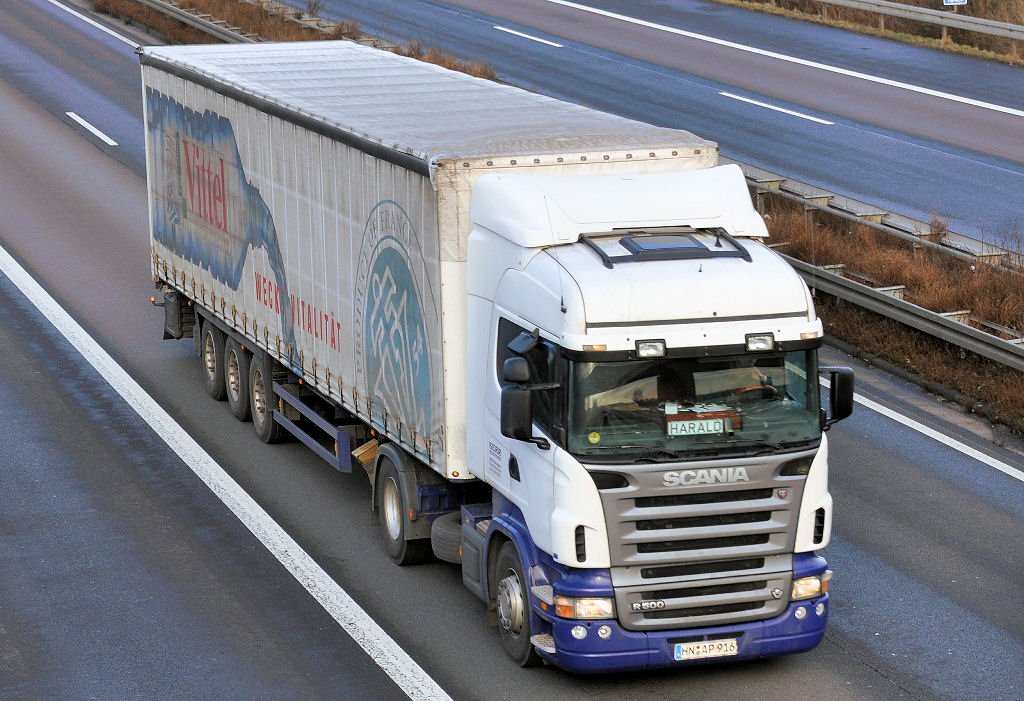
(933, 280)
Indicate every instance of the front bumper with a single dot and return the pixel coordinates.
(626, 650)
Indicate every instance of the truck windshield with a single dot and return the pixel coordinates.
(678, 408)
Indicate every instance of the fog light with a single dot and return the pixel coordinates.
(800, 613)
(820, 609)
(579, 632)
(604, 632)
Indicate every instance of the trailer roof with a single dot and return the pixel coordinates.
(403, 104)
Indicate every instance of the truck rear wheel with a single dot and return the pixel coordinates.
(212, 358)
(392, 506)
(236, 379)
(261, 399)
(513, 607)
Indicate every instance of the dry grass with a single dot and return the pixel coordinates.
(255, 19)
(934, 281)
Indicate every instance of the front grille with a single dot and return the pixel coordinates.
(710, 554)
(701, 544)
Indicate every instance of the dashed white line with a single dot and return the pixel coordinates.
(373, 639)
(790, 59)
(93, 130)
(777, 109)
(527, 36)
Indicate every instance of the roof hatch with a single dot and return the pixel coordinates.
(664, 243)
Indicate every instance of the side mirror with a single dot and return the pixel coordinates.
(840, 395)
(517, 413)
(517, 404)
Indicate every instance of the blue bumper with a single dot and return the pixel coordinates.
(626, 650)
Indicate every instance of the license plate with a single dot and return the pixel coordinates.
(706, 649)
(697, 427)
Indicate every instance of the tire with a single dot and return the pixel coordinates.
(392, 508)
(513, 607)
(261, 400)
(236, 379)
(211, 358)
(446, 537)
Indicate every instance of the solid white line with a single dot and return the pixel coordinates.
(96, 132)
(527, 36)
(790, 59)
(777, 109)
(380, 647)
(935, 435)
(941, 438)
(94, 23)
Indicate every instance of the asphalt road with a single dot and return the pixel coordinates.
(124, 577)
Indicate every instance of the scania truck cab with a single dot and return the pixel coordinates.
(651, 426)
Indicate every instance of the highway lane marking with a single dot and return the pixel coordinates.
(790, 59)
(373, 639)
(941, 438)
(94, 23)
(527, 36)
(935, 435)
(93, 130)
(777, 109)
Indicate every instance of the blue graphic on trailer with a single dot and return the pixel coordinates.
(395, 311)
(204, 208)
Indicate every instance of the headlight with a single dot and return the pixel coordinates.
(810, 587)
(584, 609)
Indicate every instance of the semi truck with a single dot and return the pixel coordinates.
(555, 340)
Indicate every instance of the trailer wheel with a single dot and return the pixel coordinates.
(212, 358)
(392, 506)
(261, 399)
(446, 537)
(236, 379)
(513, 608)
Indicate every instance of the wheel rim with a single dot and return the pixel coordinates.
(391, 505)
(259, 398)
(510, 603)
(234, 379)
(209, 355)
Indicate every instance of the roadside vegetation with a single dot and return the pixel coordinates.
(932, 280)
(263, 20)
(910, 31)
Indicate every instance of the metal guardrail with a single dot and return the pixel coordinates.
(813, 198)
(929, 322)
(940, 17)
(216, 28)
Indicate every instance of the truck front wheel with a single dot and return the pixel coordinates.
(212, 357)
(392, 506)
(513, 607)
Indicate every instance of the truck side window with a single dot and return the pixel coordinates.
(541, 359)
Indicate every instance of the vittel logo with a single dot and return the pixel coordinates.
(691, 478)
